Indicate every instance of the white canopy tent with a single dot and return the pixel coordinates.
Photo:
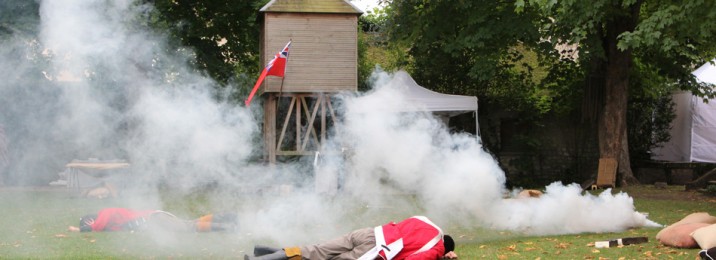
(693, 131)
(445, 105)
(418, 99)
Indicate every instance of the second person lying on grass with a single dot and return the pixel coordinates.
(124, 219)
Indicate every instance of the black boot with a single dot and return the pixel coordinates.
(278, 255)
(708, 254)
(260, 250)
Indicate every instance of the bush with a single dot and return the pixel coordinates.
(710, 190)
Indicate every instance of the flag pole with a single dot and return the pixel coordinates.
(280, 89)
(278, 57)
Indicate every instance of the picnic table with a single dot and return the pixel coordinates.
(94, 168)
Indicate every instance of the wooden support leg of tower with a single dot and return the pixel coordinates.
(323, 102)
(298, 122)
(284, 126)
(310, 114)
(305, 116)
(269, 128)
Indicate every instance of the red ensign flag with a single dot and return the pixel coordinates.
(275, 67)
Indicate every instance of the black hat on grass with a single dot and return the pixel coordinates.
(448, 243)
(85, 222)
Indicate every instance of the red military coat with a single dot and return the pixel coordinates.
(113, 219)
(415, 238)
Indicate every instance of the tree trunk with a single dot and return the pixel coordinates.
(612, 135)
(626, 175)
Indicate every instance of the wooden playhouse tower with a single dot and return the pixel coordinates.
(322, 61)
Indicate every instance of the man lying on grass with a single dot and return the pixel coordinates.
(415, 238)
(123, 219)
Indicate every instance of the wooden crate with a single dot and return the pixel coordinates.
(607, 173)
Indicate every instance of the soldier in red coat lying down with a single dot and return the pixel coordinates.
(123, 219)
(411, 239)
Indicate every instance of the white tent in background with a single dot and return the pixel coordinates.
(444, 105)
(693, 131)
(420, 99)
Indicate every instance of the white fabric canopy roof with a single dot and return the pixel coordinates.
(445, 105)
(434, 101)
(693, 131)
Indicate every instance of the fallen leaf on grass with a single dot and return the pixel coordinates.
(590, 244)
(562, 245)
(92, 241)
(502, 257)
(511, 248)
(595, 251)
(482, 246)
(60, 235)
(648, 253)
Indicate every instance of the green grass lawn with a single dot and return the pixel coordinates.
(34, 222)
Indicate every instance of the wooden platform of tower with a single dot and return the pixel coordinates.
(322, 61)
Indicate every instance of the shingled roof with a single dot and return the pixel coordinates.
(311, 6)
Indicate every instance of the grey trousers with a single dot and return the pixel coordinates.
(349, 246)
(165, 221)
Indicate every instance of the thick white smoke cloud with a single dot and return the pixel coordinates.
(414, 152)
(566, 210)
(176, 128)
(454, 178)
(127, 98)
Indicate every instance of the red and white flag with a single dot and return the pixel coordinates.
(275, 67)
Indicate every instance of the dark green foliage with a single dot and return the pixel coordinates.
(485, 48)
(472, 48)
(711, 190)
(223, 35)
(18, 17)
(460, 45)
(648, 121)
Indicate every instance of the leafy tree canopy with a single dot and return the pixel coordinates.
(673, 37)
(18, 17)
(468, 47)
(224, 35)
(485, 48)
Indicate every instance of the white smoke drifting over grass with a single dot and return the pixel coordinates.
(454, 178)
(567, 210)
(129, 98)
